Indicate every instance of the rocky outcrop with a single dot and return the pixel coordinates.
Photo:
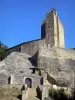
(15, 63)
(59, 64)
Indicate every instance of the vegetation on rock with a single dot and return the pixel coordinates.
(60, 94)
(3, 47)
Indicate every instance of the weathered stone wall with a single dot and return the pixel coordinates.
(17, 79)
(20, 79)
(50, 29)
(56, 57)
(56, 52)
(56, 34)
(43, 29)
(36, 81)
(60, 32)
(32, 47)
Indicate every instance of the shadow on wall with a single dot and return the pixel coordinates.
(9, 80)
(33, 59)
(39, 93)
(41, 81)
(19, 97)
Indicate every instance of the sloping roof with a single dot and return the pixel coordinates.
(23, 43)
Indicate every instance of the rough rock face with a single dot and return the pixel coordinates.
(59, 64)
(16, 63)
(17, 67)
(3, 79)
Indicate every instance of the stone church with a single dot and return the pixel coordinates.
(43, 62)
(52, 34)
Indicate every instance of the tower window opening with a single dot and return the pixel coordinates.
(33, 71)
(51, 10)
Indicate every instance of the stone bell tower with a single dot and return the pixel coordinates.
(52, 29)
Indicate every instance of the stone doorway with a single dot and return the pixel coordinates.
(9, 80)
(28, 81)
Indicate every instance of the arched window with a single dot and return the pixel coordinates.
(28, 81)
(41, 81)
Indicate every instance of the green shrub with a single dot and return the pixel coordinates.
(48, 98)
(60, 94)
(2, 51)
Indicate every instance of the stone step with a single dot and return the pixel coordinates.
(33, 98)
(32, 92)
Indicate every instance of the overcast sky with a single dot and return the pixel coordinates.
(20, 20)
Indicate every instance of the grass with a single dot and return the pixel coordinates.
(7, 93)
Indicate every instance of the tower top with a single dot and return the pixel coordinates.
(52, 29)
(53, 11)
